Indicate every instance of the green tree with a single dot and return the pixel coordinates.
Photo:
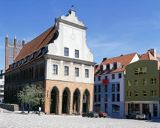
(32, 95)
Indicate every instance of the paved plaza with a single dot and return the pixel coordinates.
(17, 120)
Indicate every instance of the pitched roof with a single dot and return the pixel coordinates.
(147, 56)
(123, 59)
(37, 43)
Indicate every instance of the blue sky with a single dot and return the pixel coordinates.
(114, 26)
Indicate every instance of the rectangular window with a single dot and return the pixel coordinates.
(95, 88)
(144, 93)
(1, 76)
(106, 77)
(99, 97)
(113, 87)
(118, 97)
(136, 93)
(106, 107)
(76, 53)
(153, 92)
(144, 82)
(108, 67)
(106, 97)
(118, 87)
(99, 88)
(66, 70)
(141, 70)
(153, 81)
(120, 75)
(99, 78)
(155, 110)
(113, 97)
(55, 69)
(77, 72)
(113, 76)
(95, 98)
(115, 108)
(86, 73)
(66, 51)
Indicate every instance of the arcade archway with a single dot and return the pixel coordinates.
(76, 101)
(54, 104)
(86, 101)
(66, 101)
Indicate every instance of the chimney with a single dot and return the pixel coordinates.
(14, 49)
(6, 52)
(104, 59)
(23, 42)
(96, 65)
(153, 52)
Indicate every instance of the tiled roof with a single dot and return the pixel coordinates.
(124, 60)
(37, 43)
(147, 56)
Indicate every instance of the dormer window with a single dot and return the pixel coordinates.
(108, 67)
(31, 56)
(115, 65)
(66, 51)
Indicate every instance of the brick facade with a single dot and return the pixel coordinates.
(61, 85)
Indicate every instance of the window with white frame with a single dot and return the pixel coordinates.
(77, 72)
(66, 70)
(55, 69)
(66, 51)
(76, 53)
(86, 73)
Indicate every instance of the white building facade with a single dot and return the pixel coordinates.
(70, 68)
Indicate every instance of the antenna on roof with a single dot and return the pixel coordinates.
(71, 9)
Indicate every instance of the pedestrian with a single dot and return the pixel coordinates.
(149, 115)
(39, 110)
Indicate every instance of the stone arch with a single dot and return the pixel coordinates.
(86, 101)
(66, 96)
(54, 102)
(76, 101)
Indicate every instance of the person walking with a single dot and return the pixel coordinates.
(39, 110)
(149, 115)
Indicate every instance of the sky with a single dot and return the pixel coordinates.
(115, 27)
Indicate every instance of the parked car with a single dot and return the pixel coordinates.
(102, 114)
(141, 116)
(90, 114)
(137, 116)
(84, 114)
(131, 116)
